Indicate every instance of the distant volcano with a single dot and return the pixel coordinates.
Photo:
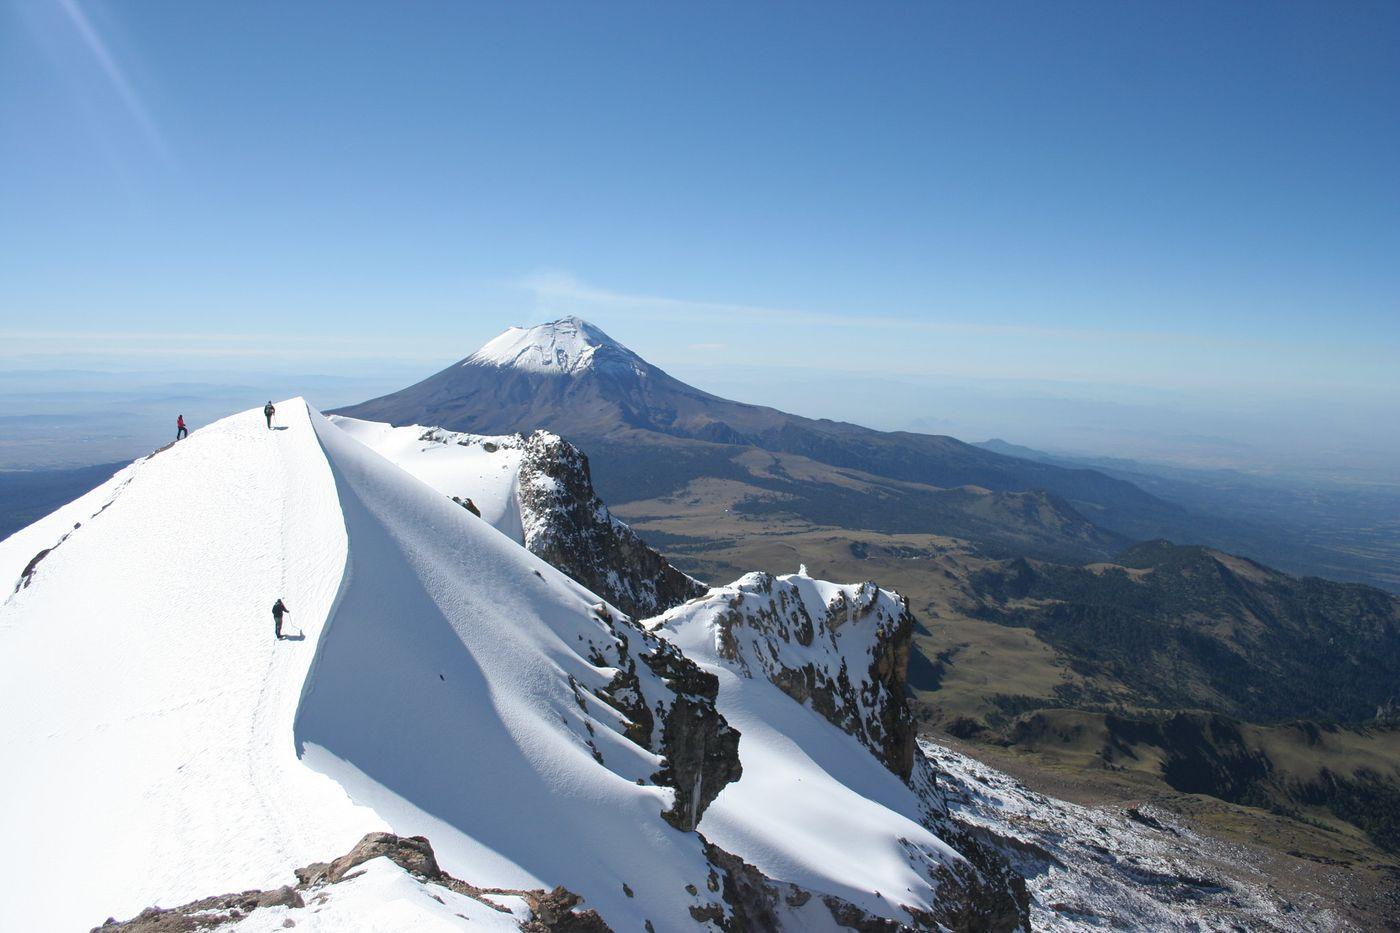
(649, 434)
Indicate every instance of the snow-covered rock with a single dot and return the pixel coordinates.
(812, 675)
(842, 650)
(385, 883)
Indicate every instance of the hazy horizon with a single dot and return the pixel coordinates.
(1350, 441)
(1161, 232)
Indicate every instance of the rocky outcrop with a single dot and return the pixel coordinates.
(207, 913)
(844, 651)
(566, 524)
(411, 853)
(699, 749)
(757, 902)
(550, 911)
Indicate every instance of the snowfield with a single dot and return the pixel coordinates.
(483, 469)
(443, 683)
(145, 710)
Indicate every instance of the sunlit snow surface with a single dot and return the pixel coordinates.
(481, 468)
(157, 735)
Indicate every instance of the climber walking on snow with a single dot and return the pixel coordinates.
(180, 430)
(278, 610)
(268, 412)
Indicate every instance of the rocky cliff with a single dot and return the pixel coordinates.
(567, 524)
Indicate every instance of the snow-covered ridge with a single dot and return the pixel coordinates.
(443, 681)
(563, 347)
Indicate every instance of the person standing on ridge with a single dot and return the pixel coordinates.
(278, 610)
(268, 412)
(180, 430)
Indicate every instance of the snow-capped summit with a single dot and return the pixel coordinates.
(563, 347)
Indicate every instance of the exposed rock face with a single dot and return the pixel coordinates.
(991, 896)
(757, 902)
(700, 750)
(550, 911)
(567, 524)
(776, 628)
(563, 521)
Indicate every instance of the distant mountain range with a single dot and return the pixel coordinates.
(1340, 531)
(649, 435)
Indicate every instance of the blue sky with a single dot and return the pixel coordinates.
(1180, 198)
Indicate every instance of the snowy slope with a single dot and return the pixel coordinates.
(484, 469)
(145, 710)
(443, 686)
(449, 684)
(155, 717)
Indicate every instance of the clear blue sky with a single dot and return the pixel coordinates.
(1184, 196)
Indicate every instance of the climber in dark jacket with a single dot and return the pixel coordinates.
(278, 608)
(268, 412)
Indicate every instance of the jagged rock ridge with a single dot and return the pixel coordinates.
(841, 653)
